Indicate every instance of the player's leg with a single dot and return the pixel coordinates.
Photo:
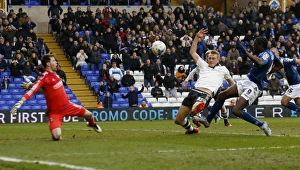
(181, 119)
(91, 122)
(246, 99)
(54, 122)
(291, 93)
(232, 91)
(224, 114)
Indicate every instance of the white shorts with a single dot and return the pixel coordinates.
(293, 91)
(248, 90)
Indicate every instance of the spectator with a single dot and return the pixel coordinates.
(33, 59)
(8, 34)
(103, 73)
(100, 105)
(108, 100)
(95, 58)
(128, 80)
(126, 59)
(81, 57)
(232, 102)
(236, 9)
(61, 74)
(232, 54)
(102, 89)
(132, 96)
(116, 72)
(148, 73)
(89, 38)
(180, 74)
(135, 63)
(42, 51)
(32, 49)
(158, 68)
(185, 39)
(27, 71)
(156, 91)
(170, 61)
(274, 86)
(113, 85)
(265, 8)
(234, 68)
(170, 82)
(110, 41)
(143, 104)
(144, 55)
(15, 69)
(159, 79)
(3, 64)
(7, 52)
(115, 58)
(19, 58)
(55, 9)
(5, 82)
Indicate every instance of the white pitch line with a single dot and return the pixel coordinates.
(10, 159)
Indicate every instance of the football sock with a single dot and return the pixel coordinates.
(224, 115)
(214, 110)
(249, 118)
(186, 124)
(91, 121)
(293, 106)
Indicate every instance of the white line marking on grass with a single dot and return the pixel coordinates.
(10, 159)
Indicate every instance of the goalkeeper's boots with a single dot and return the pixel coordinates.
(95, 127)
(195, 130)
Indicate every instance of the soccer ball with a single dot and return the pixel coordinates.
(158, 48)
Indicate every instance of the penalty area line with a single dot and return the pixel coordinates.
(10, 159)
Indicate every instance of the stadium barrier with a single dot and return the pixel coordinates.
(122, 114)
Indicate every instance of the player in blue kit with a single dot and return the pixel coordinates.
(247, 90)
(290, 68)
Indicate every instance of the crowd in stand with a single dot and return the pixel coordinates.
(86, 34)
(20, 48)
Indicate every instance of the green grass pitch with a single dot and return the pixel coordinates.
(153, 145)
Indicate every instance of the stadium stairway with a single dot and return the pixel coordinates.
(74, 81)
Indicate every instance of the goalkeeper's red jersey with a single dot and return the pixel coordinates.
(53, 89)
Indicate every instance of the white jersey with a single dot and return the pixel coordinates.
(211, 78)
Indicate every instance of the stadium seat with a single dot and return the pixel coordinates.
(39, 96)
(84, 67)
(36, 107)
(180, 99)
(92, 78)
(158, 104)
(146, 95)
(10, 102)
(76, 101)
(172, 100)
(42, 102)
(123, 89)
(2, 102)
(95, 84)
(16, 91)
(138, 73)
(115, 105)
(121, 100)
(68, 91)
(152, 100)
(4, 91)
(162, 100)
(124, 105)
(184, 94)
(7, 74)
(7, 97)
(32, 102)
(105, 56)
(72, 96)
(12, 86)
(24, 107)
(17, 96)
(44, 107)
(5, 107)
(18, 80)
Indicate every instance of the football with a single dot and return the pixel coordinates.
(158, 48)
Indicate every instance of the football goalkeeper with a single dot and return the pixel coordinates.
(58, 104)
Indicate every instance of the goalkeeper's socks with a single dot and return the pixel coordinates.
(91, 121)
(214, 110)
(293, 106)
(186, 124)
(249, 118)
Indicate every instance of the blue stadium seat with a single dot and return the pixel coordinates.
(84, 67)
(115, 105)
(36, 107)
(124, 105)
(24, 107)
(17, 96)
(5, 74)
(7, 97)
(92, 78)
(12, 86)
(18, 80)
(2, 102)
(140, 95)
(97, 72)
(95, 84)
(4, 91)
(16, 91)
(68, 91)
(5, 107)
(10, 102)
(39, 96)
(121, 100)
(76, 101)
(150, 105)
(123, 89)
(32, 102)
(118, 95)
(105, 56)
(42, 102)
(72, 96)
(44, 107)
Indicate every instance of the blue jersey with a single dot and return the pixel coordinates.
(290, 69)
(258, 73)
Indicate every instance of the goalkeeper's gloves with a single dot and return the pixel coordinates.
(240, 46)
(26, 85)
(16, 107)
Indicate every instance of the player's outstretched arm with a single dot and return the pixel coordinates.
(198, 38)
(17, 106)
(254, 59)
